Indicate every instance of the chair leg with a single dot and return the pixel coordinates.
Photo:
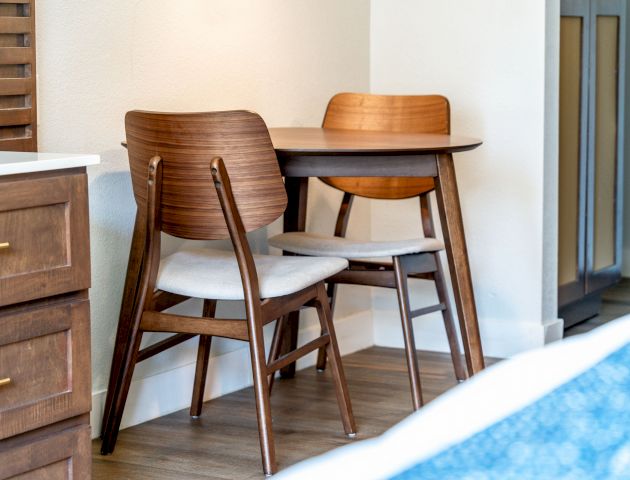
(203, 357)
(120, 354)
(125, 321)
(331, 293)
(449, 323)
(201, 371)
(276, 343)
(400, 274)
(111, 425)
(332, 350)
(261, 393)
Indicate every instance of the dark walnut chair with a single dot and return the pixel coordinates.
(412, 258)
(210, 176)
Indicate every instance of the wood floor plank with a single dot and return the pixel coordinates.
(223, 442)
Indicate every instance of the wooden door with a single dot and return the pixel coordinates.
(606, 144)
(592, 77)
(574, 55)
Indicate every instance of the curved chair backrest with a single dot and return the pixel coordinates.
(187, 143)
(392, 113)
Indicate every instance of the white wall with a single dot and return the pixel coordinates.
(98, 59)
(489, 58)
(553, 328)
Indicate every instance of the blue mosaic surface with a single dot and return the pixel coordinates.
(579, 431)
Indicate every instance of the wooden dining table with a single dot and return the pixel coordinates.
(321, 152)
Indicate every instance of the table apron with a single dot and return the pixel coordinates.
(358, 165)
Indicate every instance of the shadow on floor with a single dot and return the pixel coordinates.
(615, 304)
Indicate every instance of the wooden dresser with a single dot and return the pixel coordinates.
(45, 374)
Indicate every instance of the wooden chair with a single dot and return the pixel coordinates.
(414, 258)
(209, 176)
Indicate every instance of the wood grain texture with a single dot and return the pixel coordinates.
(18, 91)
(296, 354)
(46, 353)
(428, 228)
(128, 304)
(256, 318)
(187, 143)
(389, 113)
(223, 444)
(15, 25)
(203, 358)
(162, 345)
(169, 322)
(316, 141)
(366, 120)
(332, 351)
(216, 176)
(45, 220)
(294, 219)
(146, 244)
(29, 251)
(276, 307)
(401, 272)
(457, 253)
(44, 325)
(58, 456)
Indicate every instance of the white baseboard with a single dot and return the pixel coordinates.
(428, 330)
(499, 338)
(554, 330)
(167, 392)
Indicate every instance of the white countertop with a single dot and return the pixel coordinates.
(12, 163)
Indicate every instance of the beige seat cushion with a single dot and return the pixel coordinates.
(214, 274)
(305, 243)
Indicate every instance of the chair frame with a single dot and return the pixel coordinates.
(147, 316)
(425, 265)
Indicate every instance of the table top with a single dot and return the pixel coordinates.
(12, 163)
(305, 141)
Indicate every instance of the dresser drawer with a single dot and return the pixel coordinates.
(44, 366)
(44, 237)
(57, 456)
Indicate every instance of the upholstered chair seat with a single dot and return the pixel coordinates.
(304, 243)
(193, 272)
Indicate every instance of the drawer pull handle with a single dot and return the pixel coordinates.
(4, 246)
(4, 381)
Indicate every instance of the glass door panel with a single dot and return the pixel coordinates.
(606, 114)
(569, 231)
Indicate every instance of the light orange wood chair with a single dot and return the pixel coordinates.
(413, 258)
(210, 176)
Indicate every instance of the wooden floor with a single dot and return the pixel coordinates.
(223, 443)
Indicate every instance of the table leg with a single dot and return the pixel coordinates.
(294, 221)
(134, 267)
(453, 230)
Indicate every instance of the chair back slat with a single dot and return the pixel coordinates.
(391, 113)
(187, 143)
